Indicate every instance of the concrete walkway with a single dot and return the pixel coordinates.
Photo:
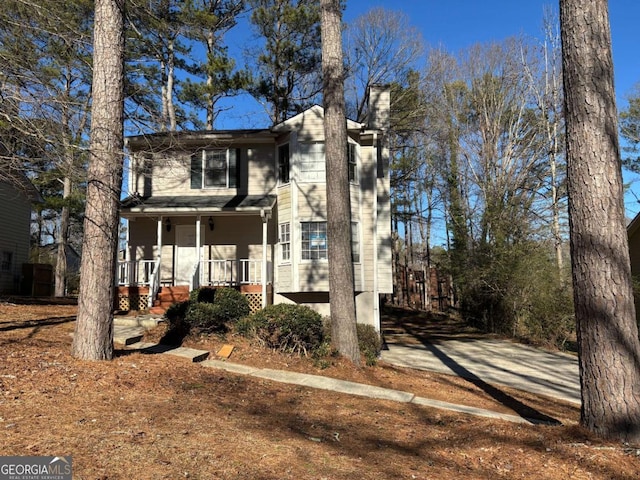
(495, 362)
(129, 336)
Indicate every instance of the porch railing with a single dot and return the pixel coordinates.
(154, 282)
(137, 272)
(206, 273)
(231, 272)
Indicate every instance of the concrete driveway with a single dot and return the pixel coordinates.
(490, 361)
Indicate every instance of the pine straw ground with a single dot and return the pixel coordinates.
(159, 417)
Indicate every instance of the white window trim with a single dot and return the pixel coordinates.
(300, 172)
(203, 164)
(358, 232)
(281, 260)
(311, 260)
(356, 163)
(287, 144)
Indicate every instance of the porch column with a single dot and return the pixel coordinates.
(265, 222)
(159, 235)
(198, 251)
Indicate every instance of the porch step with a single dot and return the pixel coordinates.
(143, 321)
(190, 354)
(168, 296)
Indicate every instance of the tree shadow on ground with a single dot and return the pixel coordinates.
(429, 330)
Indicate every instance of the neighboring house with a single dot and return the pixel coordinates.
(247, 208)
(17, 194)
(633, 233)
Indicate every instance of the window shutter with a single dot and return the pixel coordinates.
(196, 170)
(234, 168)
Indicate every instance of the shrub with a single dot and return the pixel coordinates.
(369, 342)
(231, 304)
(178, 326)
(205, 318)
(203, 294)
(287, 327)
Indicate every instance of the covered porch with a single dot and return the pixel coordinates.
(196, 242)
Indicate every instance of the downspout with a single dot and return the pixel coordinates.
(376, 295)
(265, 222)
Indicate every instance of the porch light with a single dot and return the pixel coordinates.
(210, 223)
(167, 224)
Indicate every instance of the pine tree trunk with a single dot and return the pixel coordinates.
(93, 339)
(341, 294)
(609, 350)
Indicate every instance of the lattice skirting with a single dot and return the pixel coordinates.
(255, 301)
(133, 302)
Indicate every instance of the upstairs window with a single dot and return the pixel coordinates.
(218, 168)
(283, 163)
(352, 160)
(311, 165)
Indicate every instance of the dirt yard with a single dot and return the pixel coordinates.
(159, 417)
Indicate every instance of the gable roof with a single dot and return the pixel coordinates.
(298, 120)
(20, 182)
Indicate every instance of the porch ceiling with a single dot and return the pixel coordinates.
(197, 204)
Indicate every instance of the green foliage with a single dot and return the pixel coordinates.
(288, 62)
(231, 305)
(205, 318)
(208, 310)
(518, 291)
(178, 327)
(369, 342)
(202, 294)
(287, 328)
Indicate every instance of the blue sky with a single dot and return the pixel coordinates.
(456, 25)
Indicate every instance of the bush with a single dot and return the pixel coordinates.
(231, 304)
(203, 294)
(178, 327)
(517, 290)
(286, 327)
(369, 342)
(205, 318)
(208, 310)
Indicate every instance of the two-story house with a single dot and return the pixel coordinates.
(247, 208)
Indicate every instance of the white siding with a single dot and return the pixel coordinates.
(172, 173)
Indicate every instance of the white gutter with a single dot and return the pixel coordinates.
(376, 296)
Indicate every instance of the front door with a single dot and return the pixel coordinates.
(186, 253)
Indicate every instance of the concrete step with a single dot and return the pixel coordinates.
(127, 335)
(143, 321)
(190, 354)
